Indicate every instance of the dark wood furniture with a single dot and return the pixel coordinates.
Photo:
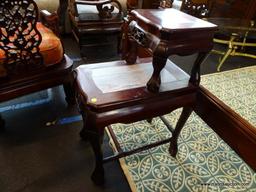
(26, 65)
(133, 90)
(231, 17)
(197, 8)
(96, 24)
(230, 126)
(243, 9)
(62, 10)
(147, 4)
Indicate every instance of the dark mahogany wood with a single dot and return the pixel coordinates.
(94, 30)
(50, 20)
(101, 109)
(230, 126)
(197, 8)
(243, 9)
(61, 12)
(147, 4)
(2, 124)
(101, 95)
(24, 69)
(29, 82)
(133, 90)
(159, 37)
(173, 148)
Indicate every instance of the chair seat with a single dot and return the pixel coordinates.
(18, 85)
(50, 47)
(112, 85)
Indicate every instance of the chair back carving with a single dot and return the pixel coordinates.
(197, 8)
(19, 37)
(105, 12)
(105, 8)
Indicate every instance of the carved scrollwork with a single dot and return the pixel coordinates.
(142, 37)
(106, 9)
(196, 9)
(19, 37)
(137, 33)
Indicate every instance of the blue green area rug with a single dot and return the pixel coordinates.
(204, 163)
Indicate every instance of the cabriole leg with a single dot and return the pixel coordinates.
(94, 135)
(173, 149)
(2, 124)
(69, 92)
(96, 141)
(155, 80)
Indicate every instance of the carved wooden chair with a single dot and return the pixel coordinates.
(197, 8)
(31, 55)
(95, 24)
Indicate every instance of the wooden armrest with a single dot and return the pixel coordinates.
(104, 12)
(84, 2)
(50, 20)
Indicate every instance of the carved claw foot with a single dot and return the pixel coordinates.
(153, 85)
(98, 176)
(173, 148)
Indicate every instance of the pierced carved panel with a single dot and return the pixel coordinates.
(142, 37)
(196, 9)
(137, 33)
(19, 37)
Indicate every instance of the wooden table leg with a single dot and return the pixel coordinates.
(94, 135)
(132, 51)
(159, 60)
(63, 5)
(83, 133)
(195, 72)
(2, 124)
(173, 148)
(69, 91)
(96, 140)
(195, 79)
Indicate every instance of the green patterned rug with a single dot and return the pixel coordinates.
(237, 89)
(204, 161)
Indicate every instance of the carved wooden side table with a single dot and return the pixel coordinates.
(131, 90)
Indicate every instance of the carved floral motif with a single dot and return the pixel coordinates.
(19, 38)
